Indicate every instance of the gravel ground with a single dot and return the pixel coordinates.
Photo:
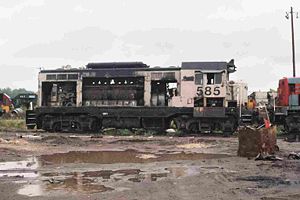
(38, 165)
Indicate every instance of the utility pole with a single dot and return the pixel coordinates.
(293, 40)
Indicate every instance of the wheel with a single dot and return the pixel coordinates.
(56, 127)
(229, 126)
(95, 125)
(292, 124)
(177, 124)
(174, 124)
(193, 127)
(75, 126)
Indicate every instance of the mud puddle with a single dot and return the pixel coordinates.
(39, 182)
(124, 141)
(98, 181)
(269, 181)
(19, 169)
(128, 156)
(290, 197)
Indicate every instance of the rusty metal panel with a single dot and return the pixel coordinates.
(253, 141)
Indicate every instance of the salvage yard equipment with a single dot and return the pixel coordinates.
(254, 141)
(16, 106)
(295, 156)
(287, 110)
(196, 97)
(24, 100)
(6, 104)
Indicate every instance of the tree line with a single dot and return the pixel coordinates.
(14, 92)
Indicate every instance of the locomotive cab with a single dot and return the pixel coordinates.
(205, 88)
(289, 92)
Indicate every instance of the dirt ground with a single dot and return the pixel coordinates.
(38, 165)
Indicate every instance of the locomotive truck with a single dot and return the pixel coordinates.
(196, 97)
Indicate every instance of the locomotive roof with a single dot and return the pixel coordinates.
(76, 70)
(205, 65)
(118, 65)
(210, 66)
(132, 66)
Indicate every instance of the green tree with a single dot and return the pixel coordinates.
(14, 92)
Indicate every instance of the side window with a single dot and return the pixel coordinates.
(198, 78)
(51, 76)
(292, 88)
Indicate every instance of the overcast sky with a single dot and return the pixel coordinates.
(53, 33)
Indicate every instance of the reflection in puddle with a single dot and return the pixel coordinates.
(148, 177)
(77, 184)
(31, 190)
(171, 172)
(98, 180)
(129, 156)
(20, 169)
(178, 171)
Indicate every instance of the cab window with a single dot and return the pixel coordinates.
(214, 78)
(218, 78)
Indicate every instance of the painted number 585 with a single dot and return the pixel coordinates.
(208, 91)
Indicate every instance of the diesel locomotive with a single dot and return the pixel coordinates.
(280, 108)
(287, 108)
(195, 97)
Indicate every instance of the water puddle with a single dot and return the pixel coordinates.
(129, 156)
(178, 172)
(19, 169)
(31, 190)
(76, 184)
(39, 182)
(269, 181)
(98, 181)
(148, 177)
(124, 141)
